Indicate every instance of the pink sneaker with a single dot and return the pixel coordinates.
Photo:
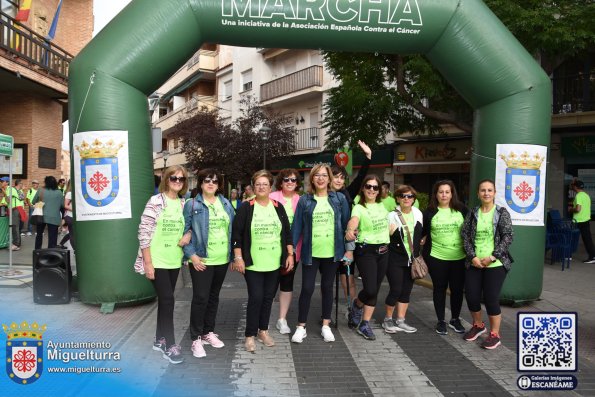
(213, 340)
(197, 350)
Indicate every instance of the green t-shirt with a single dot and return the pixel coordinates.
(584, 201)
(373, 223)
(447, 243)
(410, 220)
(323, 229)
(266, 239)
(288, 210)
(218, 245)
(389, 203)
(484, 237)
(165, 252)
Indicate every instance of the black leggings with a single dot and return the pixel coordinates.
(70, 235)
(328, 270)
(399, 281)
(206, 286)
(262, 287)
(372, 268)
(585, 230)
(286, 280)
(486, 280)
(165, 286)
(447, 274)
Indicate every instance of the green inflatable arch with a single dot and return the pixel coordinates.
(149, 40)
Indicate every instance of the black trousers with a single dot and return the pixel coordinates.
(52, 235)
(328, 270)
(286, 280)
(487, 282)
(70, 235)
(206, 286)
(372, 268)
(165, 285)
(400, 283)
(585, 229)
(447, 274)
(262, 287)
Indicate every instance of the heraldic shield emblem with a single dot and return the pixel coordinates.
(523, 181)
(24, 352)
(99, 172)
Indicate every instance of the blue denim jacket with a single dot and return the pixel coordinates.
(196, 217)
(302, 224)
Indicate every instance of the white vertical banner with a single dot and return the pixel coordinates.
(102, 175)
(520, 182)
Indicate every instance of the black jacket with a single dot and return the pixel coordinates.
(398, 241)
(241, 235)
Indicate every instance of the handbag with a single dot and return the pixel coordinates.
(419, 269)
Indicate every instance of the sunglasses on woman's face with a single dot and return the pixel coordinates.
(292, 180)
(180, 179)
(206, 181)
(372, 187)
(407, 196)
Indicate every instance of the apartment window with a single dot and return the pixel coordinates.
(227, 90)
(247, 80)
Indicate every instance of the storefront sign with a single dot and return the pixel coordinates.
(520, 182)
(578, 146)
(427, 152)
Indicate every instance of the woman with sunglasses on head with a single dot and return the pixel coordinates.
(444, 253)
(487, 235)
(160, 253)
(209, 215)
(320, 221)
(262, 246)
(406, 227)
(286, 187)
(369, 219)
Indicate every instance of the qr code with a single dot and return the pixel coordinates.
(547, 342)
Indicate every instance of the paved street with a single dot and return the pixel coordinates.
(423, 363)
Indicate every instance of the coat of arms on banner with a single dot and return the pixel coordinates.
(24, 352)
(99, 171)
(523, 181)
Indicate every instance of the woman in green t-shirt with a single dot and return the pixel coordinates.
(487, 235)
(160, 254)
(369, 219)
(444, 253)
(261, 239)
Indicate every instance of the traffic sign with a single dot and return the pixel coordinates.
(6, 145)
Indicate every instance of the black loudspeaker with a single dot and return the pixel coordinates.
(52, 276)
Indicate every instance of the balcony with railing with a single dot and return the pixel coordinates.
(25, 47)
(307, 78)
(573, 93)
(307, 139)
(186, 111)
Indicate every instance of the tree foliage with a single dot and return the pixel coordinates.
(236, 149)
(380, 93)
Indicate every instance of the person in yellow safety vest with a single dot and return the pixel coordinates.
(28, 198)
(18, 212)
(3, 195)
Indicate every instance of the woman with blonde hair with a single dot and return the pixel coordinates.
(160, 236)
(320, 222)
(262, 246)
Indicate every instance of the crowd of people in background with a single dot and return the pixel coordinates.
(55, 198)
(278, 226)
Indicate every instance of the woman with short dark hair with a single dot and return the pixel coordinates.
(52, 199)
(209, 215)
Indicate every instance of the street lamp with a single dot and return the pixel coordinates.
(165, 155)
(265, 136)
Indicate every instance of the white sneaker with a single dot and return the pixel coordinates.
(299, 334)
(283, 327)
(327, 334)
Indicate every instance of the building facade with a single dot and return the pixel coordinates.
(34, 80)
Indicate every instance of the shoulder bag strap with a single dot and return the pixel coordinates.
(400, 215)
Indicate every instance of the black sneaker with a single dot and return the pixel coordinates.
(592, 260)
(474, 332)
(455, 324)
(174, 354)
(441, 328)
(365, 330)
(159, 345)
(355, 316)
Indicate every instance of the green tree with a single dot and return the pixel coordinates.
(236, 149)
(379, 93)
